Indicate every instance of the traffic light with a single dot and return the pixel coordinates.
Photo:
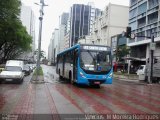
(128, 32)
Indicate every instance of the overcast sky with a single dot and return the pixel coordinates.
(54, 9)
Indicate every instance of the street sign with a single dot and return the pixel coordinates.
(152, 46)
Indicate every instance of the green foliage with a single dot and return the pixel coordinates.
(40, 71)
(122, 51)
(9, 9)
(14, 39)
(42, 53)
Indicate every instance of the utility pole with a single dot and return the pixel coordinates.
(40, 35)
(152, 47)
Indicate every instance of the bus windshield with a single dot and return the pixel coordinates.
(97, 61)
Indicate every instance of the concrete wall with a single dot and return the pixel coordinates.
(28, 20)
(61, 38)
(119, 15)
(113, 21)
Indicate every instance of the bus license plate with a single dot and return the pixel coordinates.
(97, 83)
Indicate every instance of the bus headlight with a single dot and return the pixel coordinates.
(110, 75)
(82, 75)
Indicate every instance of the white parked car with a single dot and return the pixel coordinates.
(13, 71)
(141, 70)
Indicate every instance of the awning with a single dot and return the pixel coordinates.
(134, 59)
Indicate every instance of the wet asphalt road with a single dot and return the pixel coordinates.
(60, 97)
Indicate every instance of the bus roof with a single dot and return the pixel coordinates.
(71, 48)
(78, 46)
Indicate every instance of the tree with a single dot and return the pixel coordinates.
(14, 39)
(9, 12)
(121, 52)
(42, 53)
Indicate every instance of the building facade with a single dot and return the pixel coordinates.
(28, 20)
(117, 41)
(81, 20)
(144, 19)
(113, 21)
(87, 39)
(66, 41)
(53, 48)
(119, 51)
(63, 30)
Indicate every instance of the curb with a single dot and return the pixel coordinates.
(128, 80)
(37, 81)
(132, 81)
(34, 80)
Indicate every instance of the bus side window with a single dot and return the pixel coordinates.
(64, 58)
(67, 57)
(60, 59)
(76, 51)
(75, 56)
(71, 57)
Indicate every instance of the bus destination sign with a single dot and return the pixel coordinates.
(98, 48)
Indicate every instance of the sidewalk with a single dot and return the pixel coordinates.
(129, 78)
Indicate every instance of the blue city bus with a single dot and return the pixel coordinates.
(86, 64)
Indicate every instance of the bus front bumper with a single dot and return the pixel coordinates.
(92, 79)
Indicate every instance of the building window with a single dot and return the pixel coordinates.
(152, 3)
(142, 8)
(153, 18)
(133, 25)
(140, 34)
(133, 13)
(133, 2)
(114, 43)
(152, 31)
(142, 22)
(138, 51)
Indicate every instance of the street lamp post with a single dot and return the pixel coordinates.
(40, 34)
(150, 77)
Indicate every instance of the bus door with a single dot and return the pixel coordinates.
(63, 65)
(75, 60)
